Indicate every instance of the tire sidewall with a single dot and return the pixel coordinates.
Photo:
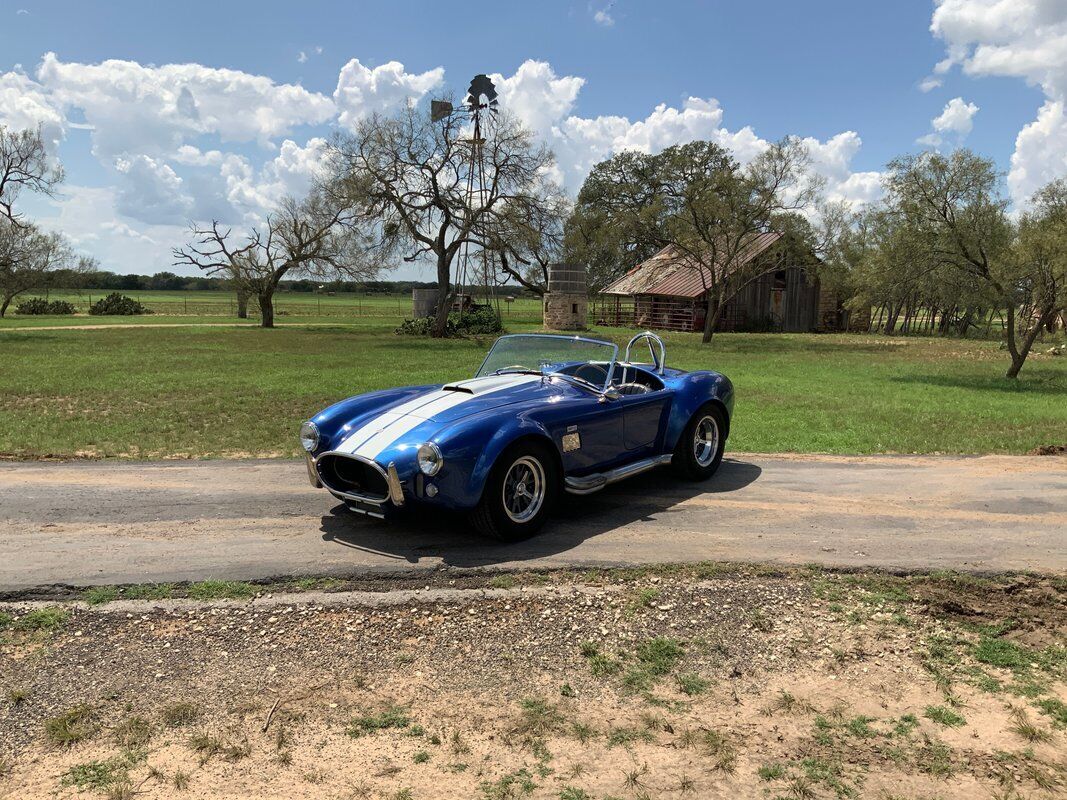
(684, 460)
(506, 528)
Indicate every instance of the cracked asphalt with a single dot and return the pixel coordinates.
(86, 523)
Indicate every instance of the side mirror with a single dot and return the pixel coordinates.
(611, 393)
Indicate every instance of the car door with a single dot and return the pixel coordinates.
(644, 417)
(590, 432)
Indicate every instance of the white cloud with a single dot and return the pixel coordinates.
(1040, 152)
(545, 102)
(194, 157)
(136, 109)
(302, 57)
(26, 104)
(536, 95)
(602, 16)
(957, 117)
(151, 191)
(165, 135)
(1025, 39)
(362, 91)
(929, 83)
(90, 217)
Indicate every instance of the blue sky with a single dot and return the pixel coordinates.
(587, 76)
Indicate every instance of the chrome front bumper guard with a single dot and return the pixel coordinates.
(392, 480)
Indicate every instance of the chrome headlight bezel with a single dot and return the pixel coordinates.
(430, 459)
(309, 436)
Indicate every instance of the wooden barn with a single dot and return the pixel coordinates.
(667, 293)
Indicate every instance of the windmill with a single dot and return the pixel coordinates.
(480, 106)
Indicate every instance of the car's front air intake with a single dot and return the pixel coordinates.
(350, 475)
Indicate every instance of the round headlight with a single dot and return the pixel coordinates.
(309, 436)
(430, 460)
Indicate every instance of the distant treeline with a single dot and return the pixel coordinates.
(168, 281)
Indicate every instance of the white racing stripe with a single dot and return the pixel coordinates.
(371, 438)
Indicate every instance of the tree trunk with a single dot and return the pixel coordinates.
(3, 307)
(242, 303)
(891, 320)
(266, 308)
(711, 321)
(1018, 355)
(444, 298)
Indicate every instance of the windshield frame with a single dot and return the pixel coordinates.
(569, 378)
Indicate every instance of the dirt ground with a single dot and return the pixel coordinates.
(699, 681)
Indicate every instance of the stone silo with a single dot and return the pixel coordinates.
(567, 299)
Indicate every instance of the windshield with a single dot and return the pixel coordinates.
(586, 360)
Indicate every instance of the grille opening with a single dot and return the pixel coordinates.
(352, 476)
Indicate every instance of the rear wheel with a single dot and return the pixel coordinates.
(521, 490)
(699, 450)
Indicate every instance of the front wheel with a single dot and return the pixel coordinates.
(521, 490)
(699, 450)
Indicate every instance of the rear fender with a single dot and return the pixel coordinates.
(693, 390)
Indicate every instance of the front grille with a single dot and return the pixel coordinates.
(349, 475)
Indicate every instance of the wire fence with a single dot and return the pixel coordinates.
(285, 304)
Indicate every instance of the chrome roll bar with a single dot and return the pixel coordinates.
(650, 337)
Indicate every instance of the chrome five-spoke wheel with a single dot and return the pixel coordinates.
(524, 489)
(706, 441)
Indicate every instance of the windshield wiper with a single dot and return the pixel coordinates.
(518, 369)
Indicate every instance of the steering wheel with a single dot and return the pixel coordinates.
(580, 372)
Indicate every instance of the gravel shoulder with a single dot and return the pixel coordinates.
(661, 683)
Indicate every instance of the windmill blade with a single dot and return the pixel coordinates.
(439, 109)
(481, 86)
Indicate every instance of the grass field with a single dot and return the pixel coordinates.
(215, 391)
(296, 304)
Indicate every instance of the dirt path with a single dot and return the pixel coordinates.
(669, 685)
(101, 523)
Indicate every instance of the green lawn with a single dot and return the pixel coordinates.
(151, 392)
(296, 304)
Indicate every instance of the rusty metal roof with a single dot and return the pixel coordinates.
(672, 274)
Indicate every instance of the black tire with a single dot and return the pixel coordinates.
(535, 465)
(692, 462)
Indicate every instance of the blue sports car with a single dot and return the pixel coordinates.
(544, 414)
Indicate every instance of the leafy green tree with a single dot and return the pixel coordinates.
(955, 213)
(694, 204)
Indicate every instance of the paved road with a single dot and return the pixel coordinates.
(93, 523)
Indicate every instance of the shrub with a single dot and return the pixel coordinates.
(117, 305)
(38, 305)
(482, 320)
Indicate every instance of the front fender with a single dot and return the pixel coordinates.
(471, 447)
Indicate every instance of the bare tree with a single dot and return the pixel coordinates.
(529, 239)
(29, 257)
(405, 177)
(24, 167)
(309, 238)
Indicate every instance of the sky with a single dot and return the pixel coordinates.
(165, 113)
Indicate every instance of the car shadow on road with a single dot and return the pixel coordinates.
(413, 537)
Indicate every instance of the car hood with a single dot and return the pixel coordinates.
(416, 418)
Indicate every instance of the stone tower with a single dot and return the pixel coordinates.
(567, 300)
